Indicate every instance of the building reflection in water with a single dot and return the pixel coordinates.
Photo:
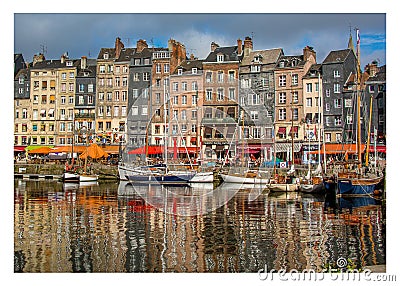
(111, 228)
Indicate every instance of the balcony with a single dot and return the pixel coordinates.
(85, 115)
(219, 120)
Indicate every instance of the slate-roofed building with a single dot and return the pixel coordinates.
(338, 95)
(289, 92)
(186, 107)
(85, 97)
(22, 106)
(220, 102)
(256, 98)
(105, 121)
(376, 89)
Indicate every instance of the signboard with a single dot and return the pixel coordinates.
(311, 147)
(282, 165)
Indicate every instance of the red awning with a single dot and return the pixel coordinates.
(379, 149)
(193, 139)
(19, 148)
(152, 150)
(282, 130)
(294, 129)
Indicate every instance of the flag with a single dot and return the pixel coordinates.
(358, 43)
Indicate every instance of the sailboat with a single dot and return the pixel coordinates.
(359, 182)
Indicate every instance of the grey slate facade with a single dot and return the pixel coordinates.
(337, 104)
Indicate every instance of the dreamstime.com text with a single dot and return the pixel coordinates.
(311, 275)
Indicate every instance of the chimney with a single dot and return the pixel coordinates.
(192, 57)
(239, 44)
(118, 47)
(214, 46)
(309, 52)
(38, 58)
(83, 62)
(141, 45)
(372, 68)
(248, 46)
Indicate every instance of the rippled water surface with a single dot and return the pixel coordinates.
(109, 227)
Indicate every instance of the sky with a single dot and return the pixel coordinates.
(85, 34)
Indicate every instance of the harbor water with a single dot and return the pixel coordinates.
(114, 227)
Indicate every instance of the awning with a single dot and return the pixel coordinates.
(19, 148)
(282, 130)
(339, 149)
(379, 149)
(193, 139)
(68, 149)
(284, 147)
(152, 150)
(294, 129)
(111, 149)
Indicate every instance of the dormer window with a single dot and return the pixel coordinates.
(194, 70)
(294, 63)
(258, 59)
(180, 71)
(105, 56)
(220, 58)
(281, 64)
(69, 63)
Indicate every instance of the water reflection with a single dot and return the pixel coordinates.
(116, 228)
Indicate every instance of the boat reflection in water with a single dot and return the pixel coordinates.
(113, 227)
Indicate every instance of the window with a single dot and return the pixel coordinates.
(256, 132)
(349, 119)
(220, 94)
(116, 110)
(102, 69)
(146, 76)
(81, 87)
(208, 76)
(158, 97)
(194, 70)
(231, 94)
(70, 99)
(328, 93)
(220, 58)
(175, 100)
(184, 85)
(135, 110)
(166, 68)
(64, 75)
(220, 76)
(175, 114)
(194, 85)
(245, 83)
(295, 79)
(209, 94)
(71, 87)
(71, 75)
(282, 97)
(295, 97)
(336, 73)
(144, 110)
(309, 87)
(63, 87)
(108, 125)
(136, 76)
(158, 68)
(295, 114)
(231, 76)
(282, 114)
(282, 80)
(336, 88)
(268, 132)
(184, 129)
(338, 121)
(255, 68)
(348, 102)
(338, 137)
(254, 115)
(81, 100)
(255, 99)
(184, 99)
(194, 99)
(175, 86)
(269, 113)
(327, 106)
(109, 96)
(183, 114)
(327, 137)
(194, 114)
(338, 103)
(123, 110)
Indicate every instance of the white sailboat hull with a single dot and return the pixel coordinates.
(203, 177)
(243, 180)
(88, 178)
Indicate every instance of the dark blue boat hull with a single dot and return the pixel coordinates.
(161, 179)
(347, 187)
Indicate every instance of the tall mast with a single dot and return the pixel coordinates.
(358, 101)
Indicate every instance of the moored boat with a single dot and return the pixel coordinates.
(250, 177)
